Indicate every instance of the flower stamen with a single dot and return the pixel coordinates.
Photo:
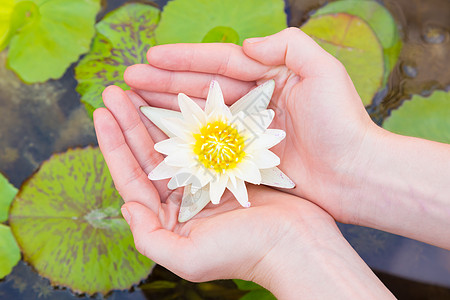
(219, 146)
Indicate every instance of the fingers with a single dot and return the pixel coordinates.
(165, 100)
(154, 241)
(129, 179)
(155, 133)
(136, 135)
(225, 59)
(152, 79)
(293, 48)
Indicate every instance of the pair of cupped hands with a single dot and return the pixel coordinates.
(328, 136)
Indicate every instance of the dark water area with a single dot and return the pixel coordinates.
(41, 119)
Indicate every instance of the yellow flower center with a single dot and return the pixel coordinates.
(219, 146)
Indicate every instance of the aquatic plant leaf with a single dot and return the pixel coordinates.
(123, 39)
(256, 292)
(191, 21)
(353, 42)
(423, 117)
(6, 9)
(51, 37)
(221, 34)
(379, 19)
(67, 221)
(7, 194)
(9, 251)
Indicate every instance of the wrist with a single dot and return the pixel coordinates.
(320, 265)
(400, 184)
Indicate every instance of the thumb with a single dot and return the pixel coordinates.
(293, 48)
(152, 239)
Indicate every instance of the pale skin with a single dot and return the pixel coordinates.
(347, 167)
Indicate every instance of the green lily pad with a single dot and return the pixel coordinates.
(353, 42)
(191, 21)
(379, 19)
(67, 221)
(6, 9)
(123, 39)
(427, 118)
(53, 34)
(221, 34)
(7, 194)
(256, 292)
(9, 251)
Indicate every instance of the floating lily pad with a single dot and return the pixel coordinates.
(7, 194)
(221, 34)
(256, 292)
(191, 21)
(353, 42)
(6, 9)
(67, 221)
(50, 35)
(379, 19)
(123, 39)
(427, 118)
(9, 251)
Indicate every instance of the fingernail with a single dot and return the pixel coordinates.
(256, 40)
(126, 214)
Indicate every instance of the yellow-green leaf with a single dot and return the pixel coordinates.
(67, 221)
(7, 194)
(6, 9)
(423, 117)
(9, 251)
(53, 34)
(123, 39)
(191, 21)
(379, 19)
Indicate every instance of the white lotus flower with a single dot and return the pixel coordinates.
(218, 148)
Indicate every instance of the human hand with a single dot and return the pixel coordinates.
(328, 129)
(338, 158)
(284, 243)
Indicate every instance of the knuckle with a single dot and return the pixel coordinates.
(152, 161)
(292, 31)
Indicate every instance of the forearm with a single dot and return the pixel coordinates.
(325, 269)
(404, 188)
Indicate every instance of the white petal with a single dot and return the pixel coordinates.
(256, 100)
(190, 176)
(254, 124)
(178, 127)
(267, 140)
(217, 187)
(240, 192)
(169, 146)
(163, 171)
(275, 177)
(192, 204)
(265, 159)
(180, 158)
(157, 114)
(182, 178)
(204, 176)
(249, 171)
(190, 110)
(232, 178)
(214, 101)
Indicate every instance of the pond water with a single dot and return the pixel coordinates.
(40, 119)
